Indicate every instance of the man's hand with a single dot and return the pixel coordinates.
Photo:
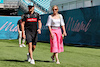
(39, 31)
(19, 31)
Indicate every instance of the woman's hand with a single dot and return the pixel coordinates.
(23, 35)
(64, 33)
(52, 36)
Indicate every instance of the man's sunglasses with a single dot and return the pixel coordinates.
(30, 7)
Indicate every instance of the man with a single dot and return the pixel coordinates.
(20, 34)
(30, 20)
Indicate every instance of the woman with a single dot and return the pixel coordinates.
(56, 41)
(20, 34)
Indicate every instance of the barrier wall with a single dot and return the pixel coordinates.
(8, 27)
(1, 1)
(82, 26)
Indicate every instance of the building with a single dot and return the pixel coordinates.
(73, 4)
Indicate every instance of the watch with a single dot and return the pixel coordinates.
(39, 28)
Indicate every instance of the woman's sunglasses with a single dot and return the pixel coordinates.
(55, 9)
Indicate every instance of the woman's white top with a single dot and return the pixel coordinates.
(55, 22)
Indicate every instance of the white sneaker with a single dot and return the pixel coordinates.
(32, 61)
(28, 57)
(23, 45)
(57, 62)
(20, 46)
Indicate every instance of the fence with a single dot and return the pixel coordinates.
(82, 26)
(8, 27)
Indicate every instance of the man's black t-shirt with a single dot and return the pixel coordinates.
(19, 23)
(31, 21)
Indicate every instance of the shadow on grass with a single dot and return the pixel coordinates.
(12, 46)
(26, 61)
(83, 46)
(78, 45)
(43, 61)
(14, 60)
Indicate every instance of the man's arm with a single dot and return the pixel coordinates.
(39, 26)
(22, 27)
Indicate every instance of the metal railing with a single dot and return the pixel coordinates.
(11, 4)
(10, 1)
(40, 7)
(23, 6)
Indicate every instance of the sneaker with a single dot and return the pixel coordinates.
(20, 46)
(53, 60)
(28, 57)
(57, 62)
(32, 61)
(23, 45)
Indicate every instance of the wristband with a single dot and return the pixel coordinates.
(39, 28)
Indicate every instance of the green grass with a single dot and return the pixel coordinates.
(11, 55)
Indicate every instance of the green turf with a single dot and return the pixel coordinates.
(11, 55)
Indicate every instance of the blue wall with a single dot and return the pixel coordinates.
(1, 1)
(8, 27)
(20, 12)
(82, 26)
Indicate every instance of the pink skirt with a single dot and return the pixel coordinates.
(56, 44)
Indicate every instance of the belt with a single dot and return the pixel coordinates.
(54, 27)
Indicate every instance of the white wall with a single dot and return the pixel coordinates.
(87, 3)
(66, 6)
(96, 2)
(60, 7)
(73, 4)
(80, 3)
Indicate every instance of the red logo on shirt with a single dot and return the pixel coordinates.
(32, 20)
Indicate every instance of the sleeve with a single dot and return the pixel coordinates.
(23, 18)
(39, 17)
(62, 20)
(48, 21)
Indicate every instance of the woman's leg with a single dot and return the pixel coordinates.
(23, 39)
(57, 60)
(20, 37)
(52, 57)
(56, 55)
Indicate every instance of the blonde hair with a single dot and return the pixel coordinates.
(54, 6)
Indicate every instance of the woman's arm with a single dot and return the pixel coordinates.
(51, 32)
(18, 28)
(63, 25)
(64, 31)
(49, 25)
